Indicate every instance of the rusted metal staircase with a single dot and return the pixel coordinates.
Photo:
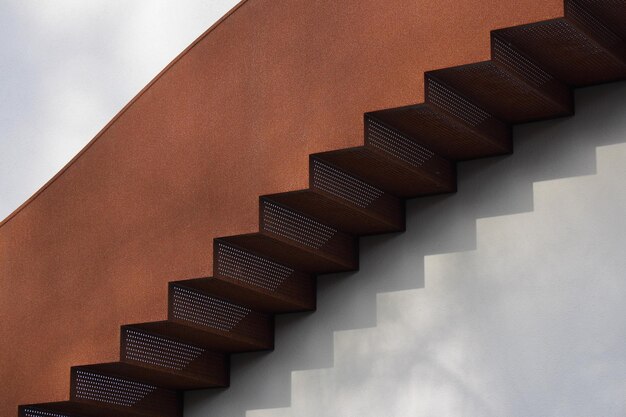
(408, 152)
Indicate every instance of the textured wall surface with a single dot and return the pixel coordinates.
(234, 118)
(505, 299)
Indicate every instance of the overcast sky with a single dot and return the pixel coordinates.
(68, 66)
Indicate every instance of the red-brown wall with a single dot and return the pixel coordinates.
(233, 118)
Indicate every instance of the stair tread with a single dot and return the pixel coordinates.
(244, 296)
(336, 213)
(390, 174)
(169, 380)
(562, 49)
(228, 326)
(168, 362)
(258, 282)
(306, 234)
(73, 409)
(106, 388)
(445, 135)
(611, 14)
(301, 258)
(199, 337)
(501, 93)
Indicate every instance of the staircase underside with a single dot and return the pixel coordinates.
(408, 152)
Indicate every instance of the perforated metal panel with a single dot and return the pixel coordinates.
(446, 135)
(505, 95)
(397, 144)
(342, 185)
(159, 351)
(611, 13)
(519, 63)
(251, 269)
(110, 390)
(584, 17)
(453, 103)
(573, 55)
(205, 310)
(294, 226)
(259, 282)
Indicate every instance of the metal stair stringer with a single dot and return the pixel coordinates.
(408, 152)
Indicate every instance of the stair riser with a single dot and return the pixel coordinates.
(123, 394)
(154, 352)
(583, 17)
(438, 173)
(558, 94)
(567, 50)
(278, 288)
(445, 134)
(479, 93)
(307, 234)
(233, 327)
(363, 198)
(611, 14)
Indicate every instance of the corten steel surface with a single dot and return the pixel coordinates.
(234, 118)
(408, 152)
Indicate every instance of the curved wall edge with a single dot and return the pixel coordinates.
(120, 113)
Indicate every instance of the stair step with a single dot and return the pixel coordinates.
(581, 15)
(219, 324)
(365, 214)
(119, 393)
(308, 235)
(490, 89)
(73, 409)
(257, 282)
(577, 55)
(346, 201)
(393, 162)
(447, 135)
(305, 260)
(610, 13)
(171, 379)
(170, 363)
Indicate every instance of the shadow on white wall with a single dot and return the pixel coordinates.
(527, 319)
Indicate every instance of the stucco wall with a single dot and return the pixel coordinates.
(234, 118)
(505, 299)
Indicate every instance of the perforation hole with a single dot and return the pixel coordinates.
(455, 104)
(250, 268)
(158, 351)
(397, 144)
(296, 227)
(110, 390)
(519, 63)
(207, 311)
(342, 185)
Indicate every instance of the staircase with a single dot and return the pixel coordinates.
(408, 152)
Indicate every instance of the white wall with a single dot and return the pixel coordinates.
(505, 299)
